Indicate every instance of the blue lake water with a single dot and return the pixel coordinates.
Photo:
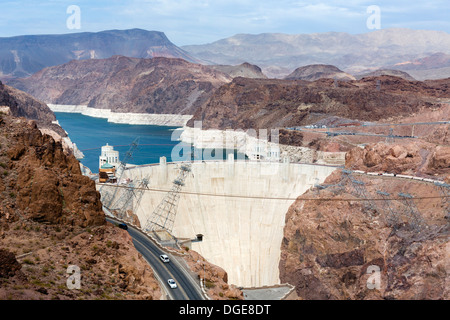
(90, 134)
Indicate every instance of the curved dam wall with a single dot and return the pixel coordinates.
(241, 222)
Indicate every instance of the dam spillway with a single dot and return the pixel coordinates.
(238, 206)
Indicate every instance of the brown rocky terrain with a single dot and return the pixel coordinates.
(51, 217)
(270, 103)
(333, 242)
(318, 71)
(122, 84)
(215, 278)
(417, 159)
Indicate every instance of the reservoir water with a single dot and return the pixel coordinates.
(90, 134)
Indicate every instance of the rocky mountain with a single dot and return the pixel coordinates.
(22, 56)
(386, 72)
(274, 103)
(123, 84)
(318, 71)
(245, 70)
(330, 248)
(279, 54)
(50, 218)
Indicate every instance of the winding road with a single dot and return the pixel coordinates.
(187, 287)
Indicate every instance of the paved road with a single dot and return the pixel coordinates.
(187, 290)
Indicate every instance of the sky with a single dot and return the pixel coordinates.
(203, 21)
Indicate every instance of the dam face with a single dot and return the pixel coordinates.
(233, 205)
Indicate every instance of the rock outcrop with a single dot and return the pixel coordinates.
(334, 247)
(245, 70)
(416, 159)
(318, 71)
(51, 218)
(214, 278)
(386, 72)
(21, 104)
(48, 185)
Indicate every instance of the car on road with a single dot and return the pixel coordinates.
(164, 258)
(123, 226)
(172, 283)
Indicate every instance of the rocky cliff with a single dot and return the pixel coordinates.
(21, 104)
(336, 246)
(122, 84)
(213, 277)
(50, 218)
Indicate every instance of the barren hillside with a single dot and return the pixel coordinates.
(122, 84)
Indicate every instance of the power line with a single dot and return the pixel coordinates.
(275, 198)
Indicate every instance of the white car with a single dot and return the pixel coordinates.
(164, 258)
(172, 283)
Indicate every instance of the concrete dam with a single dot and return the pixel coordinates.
(238, 206)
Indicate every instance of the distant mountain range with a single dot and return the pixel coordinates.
(279, 54)
(22, 56)
(124, 84)
(423, 54)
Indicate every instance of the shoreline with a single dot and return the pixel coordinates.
(239, 140)
(256, 148)
(169, 120)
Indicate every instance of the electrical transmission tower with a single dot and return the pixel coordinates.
(391, 216)
(164, 215)
(444, 189)
(360, 190)
(132, 192)
(108, 198)
(412, 213)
